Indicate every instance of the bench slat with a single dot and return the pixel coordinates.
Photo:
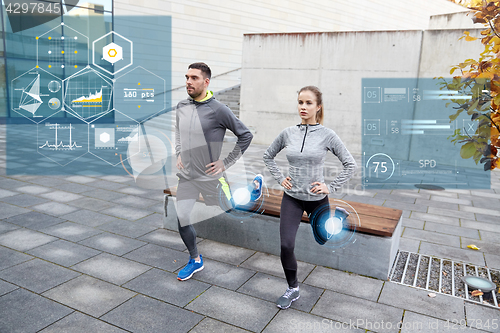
(375, 220)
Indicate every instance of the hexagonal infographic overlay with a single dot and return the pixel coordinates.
(36, 95)
(62, 48)
(115, 143)
(139, 93)
(85, 106)
(88, 94)
(62, 143)
(112, 53)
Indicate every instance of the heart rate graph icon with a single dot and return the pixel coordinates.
(28, 14)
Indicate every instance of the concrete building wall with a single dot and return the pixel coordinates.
(276, 66)
(212, 30)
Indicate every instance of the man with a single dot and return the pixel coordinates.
(201, 123)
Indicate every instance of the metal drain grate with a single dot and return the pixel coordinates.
(443, 276)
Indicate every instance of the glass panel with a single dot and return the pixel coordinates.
(3, 89)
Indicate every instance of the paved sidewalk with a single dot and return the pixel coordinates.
(82, 253)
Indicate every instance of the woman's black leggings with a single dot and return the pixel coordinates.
(291, 214)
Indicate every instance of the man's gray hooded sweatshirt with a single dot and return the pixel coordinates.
(307, 146)
(199, 133)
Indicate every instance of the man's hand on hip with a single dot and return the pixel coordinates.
(215, 167)
(179, 164)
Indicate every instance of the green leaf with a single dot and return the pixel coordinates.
(477, 156)
(467, 150)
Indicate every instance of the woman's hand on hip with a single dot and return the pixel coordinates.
(319, 188)
(287, 183)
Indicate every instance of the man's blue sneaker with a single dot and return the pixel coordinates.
(257, 191)
(191, 268)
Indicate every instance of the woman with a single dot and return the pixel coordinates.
(307, 144)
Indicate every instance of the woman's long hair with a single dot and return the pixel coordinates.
(319, 101)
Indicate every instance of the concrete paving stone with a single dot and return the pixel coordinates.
(452, 230)
(271, 264)
(234, 308)
(7, 210)
(454, 253)
(487, 218)
(165, 238)
(80, 179)
(481, 226)
(126, 228)
(117, 179)
(112, 243)
(435, 218)
(22, 312)
(417, 323)
(24, 239)
(73, 188)
(48, 181)
(438, 204)
(165, 286)
(293, 321)
(442, 306)
(480, 317)
(104, 184)
(270, 288)
(405, 206)
(453, 213)
(431, 236)
(64, 253)
(71, 231)
(32, 189)
(488, 236)
(79, 323)
(111, 268)
(158, 256)
(61, 196)
(128, 213)
(156, 195)
(411, 194)
(223, 275)
(358, 312)
(6, 287)
(446, 193)
(395, 197)
(34, 220)
(135, 201)
(10, 257)
(7, 193)
(46, 277)
(23, 200)
(485, 193)
(346, 283)
(8, 183)
(154, 220)
(91, 204)
(479, 210)
(209, 325)
(407, 244)
(485, 246)
(54, 208)
(159, 208)
(146, 315)
(364, 199)
(492, 260)
(89, 295)
(89, 218)
(103, 194)
(484, 202)
(223, 252)
(6, 227)
(412, 223)
(460, 201)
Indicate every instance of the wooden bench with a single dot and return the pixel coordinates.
(371, 252)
